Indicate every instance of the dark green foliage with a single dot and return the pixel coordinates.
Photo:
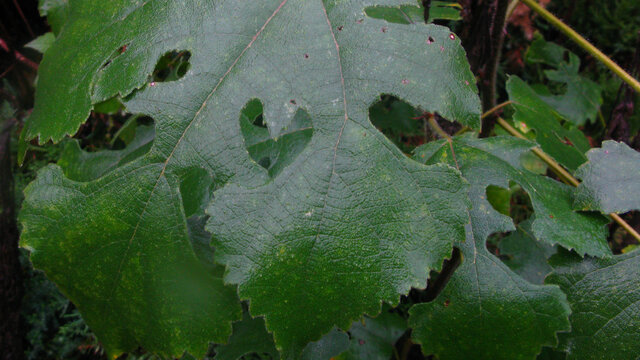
(242, 190)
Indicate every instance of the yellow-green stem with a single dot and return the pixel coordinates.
(563, 174)
(635, 84)
(496, 108)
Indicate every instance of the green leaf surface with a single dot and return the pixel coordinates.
(486, 311)
(374, 338)
(526, 256)
(567, 146)
(582, 98)
(496, 161)
(605, 302)
(250, 338)
(610, 180)
(154, 293)
(349, 223)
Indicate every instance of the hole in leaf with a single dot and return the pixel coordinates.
(403, 124)
(172, 66)
(399, 122)
(403, 14)
(274, 154)
(106, 142)
(513, 202)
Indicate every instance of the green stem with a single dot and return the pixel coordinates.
(635, 84)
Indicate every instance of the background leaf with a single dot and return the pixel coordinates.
(610, 180)
(567, 146)
(496, 161)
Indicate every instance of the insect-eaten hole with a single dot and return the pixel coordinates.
(406, 126)
(398, 121)
(514, 202)
(110, 127)
(401, 14)
(274, 154)
(105, 142)
(171, 66)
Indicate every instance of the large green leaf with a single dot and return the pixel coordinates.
(604, 295)
(610, 180)
(496, 161)
(350, 222)
(567, 146)
(486, 311)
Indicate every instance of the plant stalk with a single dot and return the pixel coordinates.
(562, 173)
(584, 43)
(496, 108)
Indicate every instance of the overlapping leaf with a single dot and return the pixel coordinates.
(526, 256)
(496, 161)
(350, 222)
(374, 338)
(567, 146)
(610, 180)
(486, 311)
(604, 295)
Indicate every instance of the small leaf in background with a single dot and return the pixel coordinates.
(581, 100)
(604, 295)
(374, 338)
(496, 161)
(525, 255)
(610, 180)
(328, 347)
(567, 146)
